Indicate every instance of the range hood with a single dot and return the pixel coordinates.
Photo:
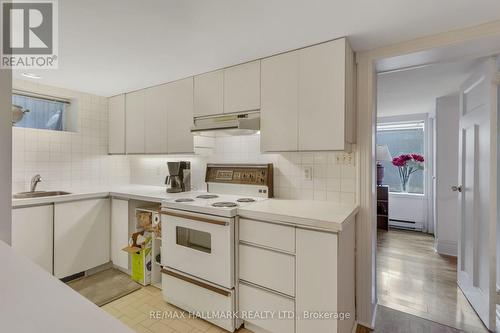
(245, 123)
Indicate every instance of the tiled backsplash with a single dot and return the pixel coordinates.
(67, 159)
(332, 178)
(79, 159)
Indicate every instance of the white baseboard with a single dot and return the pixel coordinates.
(448, 248)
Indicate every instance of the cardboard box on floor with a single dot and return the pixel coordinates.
(141, 257)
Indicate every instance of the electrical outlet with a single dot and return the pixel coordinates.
(308, 173)
(348, 159)
(339, 159)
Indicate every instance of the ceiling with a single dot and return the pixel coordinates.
(114, 46)
(415, 90)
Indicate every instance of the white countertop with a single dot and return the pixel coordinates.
(34, 301)
(135, 192)
(322, 215)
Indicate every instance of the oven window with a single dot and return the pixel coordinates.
(194, 239)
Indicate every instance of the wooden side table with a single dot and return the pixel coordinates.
(383, 207)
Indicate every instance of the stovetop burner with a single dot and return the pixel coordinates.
(184, 200)
(207, 196)
(225, 204)
(246, 200)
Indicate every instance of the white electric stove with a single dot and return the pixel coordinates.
(199, 235)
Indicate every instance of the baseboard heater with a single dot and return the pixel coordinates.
(406, 225)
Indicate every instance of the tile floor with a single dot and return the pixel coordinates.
(134, 311)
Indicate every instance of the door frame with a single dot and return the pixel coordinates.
(467, 43)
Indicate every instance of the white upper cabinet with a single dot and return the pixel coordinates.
(155, 110)
(308, 99)
(279, 109)
(242, 87)
(179, 97)
(116, 125)
(135, 125)
(208, 94)
(322, 96)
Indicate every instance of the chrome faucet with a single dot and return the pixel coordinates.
(34, 182)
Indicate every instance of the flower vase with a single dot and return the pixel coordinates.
(404, 185)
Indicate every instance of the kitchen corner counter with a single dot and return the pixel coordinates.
(134, 192)
(323, 215)
(35, 301)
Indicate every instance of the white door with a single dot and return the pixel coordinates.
(155, 120)
(279, 103)
(179, 97)
(446, 173)
(477, 191)
(209, 94)
(134, 122)
(116, 124)
(119, 232)
(242, 87)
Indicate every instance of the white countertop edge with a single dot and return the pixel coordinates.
(306, 223)
(35, 301)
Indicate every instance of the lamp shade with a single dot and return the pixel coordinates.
(383, 153)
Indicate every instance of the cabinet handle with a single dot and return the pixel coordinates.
(191, 217)
(196, 282)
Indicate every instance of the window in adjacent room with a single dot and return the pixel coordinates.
(402, 138)
(43, 112)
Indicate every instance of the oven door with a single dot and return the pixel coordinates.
(199, 245)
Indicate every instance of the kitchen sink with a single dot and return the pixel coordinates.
(38, 194)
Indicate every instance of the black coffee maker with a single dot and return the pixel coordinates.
(179, 177)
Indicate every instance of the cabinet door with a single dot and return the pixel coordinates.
(322, 96)
(116, 124)
(316, 279)
(179, 96)
(119, 232)
(81, 236)
(279, 104)
(242, 87)
(32, 234)
(134, 106)
(208, 94)
(155, 112)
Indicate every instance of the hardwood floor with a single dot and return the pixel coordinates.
(414, 279)
(393, 321)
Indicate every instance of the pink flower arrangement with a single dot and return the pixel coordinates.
(407, 165)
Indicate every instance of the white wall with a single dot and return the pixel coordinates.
(67, 160)
(6, 154)
(446, 173)
(331, 180)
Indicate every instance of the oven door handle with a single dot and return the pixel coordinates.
(196, 282)
(196, 218)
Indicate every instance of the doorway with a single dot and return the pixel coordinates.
(417, 136)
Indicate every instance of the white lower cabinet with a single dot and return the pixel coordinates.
(275, 312)
(275, 271)
(119, 232)
(314, 278)
(32, 234)
(81, 236)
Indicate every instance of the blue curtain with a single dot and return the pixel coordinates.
(43, 114)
